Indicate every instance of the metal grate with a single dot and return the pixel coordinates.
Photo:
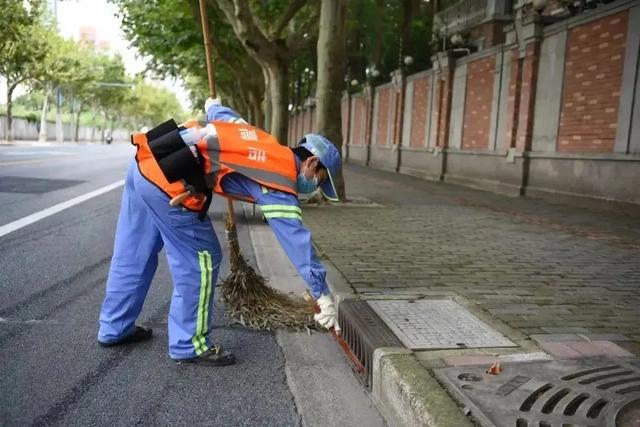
(579, 392)
(364, 331)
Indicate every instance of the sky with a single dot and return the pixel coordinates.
(100, 14)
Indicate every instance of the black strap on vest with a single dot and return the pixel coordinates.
(176, 160)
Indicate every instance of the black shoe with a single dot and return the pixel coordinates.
(211, 357)
(140, 333)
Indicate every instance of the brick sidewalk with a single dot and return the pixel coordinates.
(539, 267)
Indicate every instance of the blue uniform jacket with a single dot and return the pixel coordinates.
(283, 213)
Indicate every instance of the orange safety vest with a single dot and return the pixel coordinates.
(251, 152)
(236, 148)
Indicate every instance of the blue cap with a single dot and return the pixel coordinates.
(329, 157)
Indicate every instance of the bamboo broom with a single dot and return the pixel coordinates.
(247, 298)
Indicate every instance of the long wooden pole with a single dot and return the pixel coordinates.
(208, 47)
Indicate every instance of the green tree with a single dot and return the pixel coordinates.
(148, 105)
(73, 68)
(110, 91)
(273, 33)
(168, 33)
(23, 48)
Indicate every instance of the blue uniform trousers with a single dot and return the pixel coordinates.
(146, 224)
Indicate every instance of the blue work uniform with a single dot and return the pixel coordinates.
(147, 224)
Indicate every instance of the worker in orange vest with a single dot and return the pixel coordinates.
(233, 159)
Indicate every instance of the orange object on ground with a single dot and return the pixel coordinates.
(494, 369)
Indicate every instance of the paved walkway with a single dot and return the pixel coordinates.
(541, 268)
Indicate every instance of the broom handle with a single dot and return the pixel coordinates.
(208, 47)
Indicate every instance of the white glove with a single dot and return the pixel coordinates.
(211, 101)
(328, 317)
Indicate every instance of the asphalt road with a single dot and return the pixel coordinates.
(52, 279)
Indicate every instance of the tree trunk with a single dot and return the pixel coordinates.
(42, 135)
(331, 54)
(59, 129)
(278, 91)
(267, 105)
(376, 54)
(10, 88)
(77, 126)
(257, 118)
(409, 11)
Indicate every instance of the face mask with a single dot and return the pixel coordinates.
(306, 185)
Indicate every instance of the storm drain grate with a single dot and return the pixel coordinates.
(19, 184)
(579, 392)
(364, 331)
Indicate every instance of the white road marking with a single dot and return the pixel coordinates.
(30, 219)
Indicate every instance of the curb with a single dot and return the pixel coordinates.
(403, 390)
(407, 394)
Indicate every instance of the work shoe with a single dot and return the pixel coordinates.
(214, 356)
(140, 333)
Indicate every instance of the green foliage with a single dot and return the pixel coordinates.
(148, 105)
(24, 40)
(378, 34)
(168, 33)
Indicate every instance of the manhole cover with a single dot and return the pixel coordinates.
(18, 184)
(436, 324)
(578, 392)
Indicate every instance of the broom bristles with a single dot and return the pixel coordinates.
(250, 302)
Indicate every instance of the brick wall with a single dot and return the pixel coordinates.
(593, 79)
(384, 95)
(573, 107)
(477, 111)
(358, 120)
(419, 111)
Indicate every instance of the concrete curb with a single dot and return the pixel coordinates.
(406, 394)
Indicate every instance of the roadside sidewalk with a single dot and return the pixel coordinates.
(325, 392)
(561, 284)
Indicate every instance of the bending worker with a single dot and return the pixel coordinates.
(233, 159)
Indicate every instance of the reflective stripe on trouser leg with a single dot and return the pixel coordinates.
(281, 211)
(202, 322)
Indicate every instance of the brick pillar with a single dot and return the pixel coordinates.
(522, 88)
(346, 124)
(367, 95)
(445, 67)
(398, 80)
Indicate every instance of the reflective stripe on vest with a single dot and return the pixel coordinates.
(149, 168)
(251, 152)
